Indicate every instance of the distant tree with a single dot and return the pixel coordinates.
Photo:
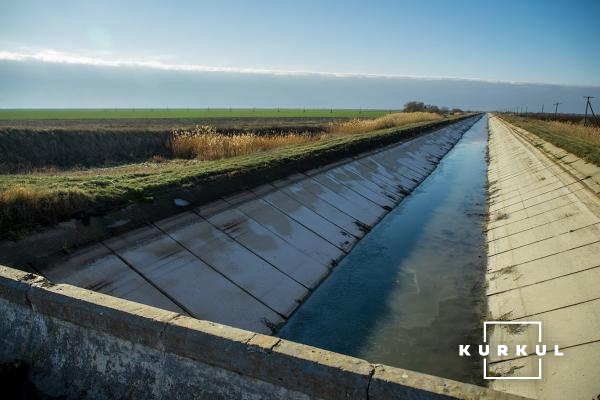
(414, 106)
(456, 110)
(432, 109)
(419, 106)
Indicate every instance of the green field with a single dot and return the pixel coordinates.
(184, 113)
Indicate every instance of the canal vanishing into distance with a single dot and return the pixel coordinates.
(411, 291)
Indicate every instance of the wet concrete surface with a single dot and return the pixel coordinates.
(251, 259)
(412, 289)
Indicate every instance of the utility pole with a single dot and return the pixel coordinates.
(556, 108)
(542, 108)
(588, 104)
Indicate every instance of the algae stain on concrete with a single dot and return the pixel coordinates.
(412, 290)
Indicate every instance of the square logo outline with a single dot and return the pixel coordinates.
(485, 324)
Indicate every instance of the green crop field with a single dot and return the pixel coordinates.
(183, 113)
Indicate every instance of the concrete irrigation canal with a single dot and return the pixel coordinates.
(411, 291)
(250, 259)
(327, 284)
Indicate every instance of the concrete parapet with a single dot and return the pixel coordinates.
(82, 344)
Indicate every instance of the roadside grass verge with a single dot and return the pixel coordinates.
(30, 200)
(583, 141)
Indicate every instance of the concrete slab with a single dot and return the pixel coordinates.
(288, 260)
(410, 166)
(97, 268)
(195, 285)
(574, 374)
(298, 236)
(543, 269)
(349, 202)
(326, 210)
(545, 248)
(498, 219)
(560, 327)
(363, 186)
(393, 176)
(543, 245)
(562, 226)
(306, 217)
(382, 183)
(544, 296)
(512, 226)
(349, 193)
(392, 163)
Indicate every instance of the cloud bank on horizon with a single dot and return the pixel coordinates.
(53, 79)
(53, 56)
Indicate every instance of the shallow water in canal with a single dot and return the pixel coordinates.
(412, 289)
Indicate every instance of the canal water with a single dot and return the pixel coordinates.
(412, 289)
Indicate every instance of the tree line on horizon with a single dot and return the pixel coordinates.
(419, 106)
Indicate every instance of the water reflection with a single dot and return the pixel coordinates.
(411, 291)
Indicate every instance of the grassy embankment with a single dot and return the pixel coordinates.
(184, 113)
(40, 198)
(583, 141)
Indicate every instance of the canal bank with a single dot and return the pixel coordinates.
(543, 240)
(412, 289)
(250, 259)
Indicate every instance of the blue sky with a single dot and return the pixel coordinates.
(551, 42)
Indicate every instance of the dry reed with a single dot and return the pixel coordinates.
(590, 134)
(204, 143)
(387, 121)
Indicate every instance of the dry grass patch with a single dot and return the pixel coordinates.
(590, 134)
(387, 121)
(204, 143)
(583, 141)
(19, 203)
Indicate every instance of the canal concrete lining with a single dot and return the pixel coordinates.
(543, 240)
(250, 259)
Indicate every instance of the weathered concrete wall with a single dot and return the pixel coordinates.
(250, 260)
(83, 344)
(543, 264)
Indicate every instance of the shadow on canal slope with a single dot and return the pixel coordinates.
(411, 291)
